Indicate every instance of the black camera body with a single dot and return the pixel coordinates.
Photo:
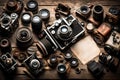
(34, 65)
(65, 31)
(8, 24)
(95, 68)
(111, 62)
(8, 63)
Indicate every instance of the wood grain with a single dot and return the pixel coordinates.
(74, 4)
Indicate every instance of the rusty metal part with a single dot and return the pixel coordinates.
(13, 6)
(104, 29)
(102, 33)
(98, 38)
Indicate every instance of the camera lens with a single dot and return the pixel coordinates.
(5, 45)
(26, 18)
(53, 60)
(90, 27)
(21, 57)
(3, 57)
(68, 56)
(64, 32)
(114, 10)
(44, 14)
(98, 8)
(109, 49)
(24, 37)
(98, 12)
(74, 62)
(35, 64)
(102, 58)
(61, 68)
(83, 12)
(32, 5)
(12, 5)
(46, 47)
(84, 9)
(36, 24)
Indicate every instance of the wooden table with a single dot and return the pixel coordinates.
(51, 73)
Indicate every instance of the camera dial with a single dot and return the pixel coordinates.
(34, 64)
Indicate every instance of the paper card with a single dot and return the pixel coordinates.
(85, 49)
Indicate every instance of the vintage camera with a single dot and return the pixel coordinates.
(63, 9)
(113, 15)
(8, 63)
(102, 33)
(15, 6)
(65, 31)
(112, 46)
(83, 12)
(95, 68)
(61, 34)
(109, 61)
(34, 64)
(8, 24)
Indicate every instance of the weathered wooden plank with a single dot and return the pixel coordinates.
(74, 4)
